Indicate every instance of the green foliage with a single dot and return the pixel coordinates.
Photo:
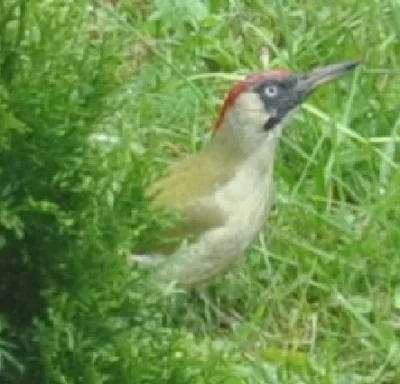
(96, 98)
(65, 215)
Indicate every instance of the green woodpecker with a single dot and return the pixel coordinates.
(224, 192)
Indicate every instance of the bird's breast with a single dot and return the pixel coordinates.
(245, 201)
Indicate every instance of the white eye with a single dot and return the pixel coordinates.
(271, 90)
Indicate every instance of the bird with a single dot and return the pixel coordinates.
(224, 192)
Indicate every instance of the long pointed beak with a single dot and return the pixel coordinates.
(322, 75)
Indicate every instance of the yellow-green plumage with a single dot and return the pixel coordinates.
(192, 179)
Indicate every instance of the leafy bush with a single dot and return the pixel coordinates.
(69, 208)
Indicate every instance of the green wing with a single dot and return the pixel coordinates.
(187, 189)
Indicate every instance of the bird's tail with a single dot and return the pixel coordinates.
(146, 261)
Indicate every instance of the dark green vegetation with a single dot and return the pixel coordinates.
(316, 301)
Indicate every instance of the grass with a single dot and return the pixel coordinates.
(317, 298)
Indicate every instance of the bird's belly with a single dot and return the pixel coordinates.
(245, 201)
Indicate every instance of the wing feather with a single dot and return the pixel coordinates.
(188, 189)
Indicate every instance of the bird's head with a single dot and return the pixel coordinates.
(257, 108)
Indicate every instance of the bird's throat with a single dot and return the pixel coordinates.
(228, 153)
